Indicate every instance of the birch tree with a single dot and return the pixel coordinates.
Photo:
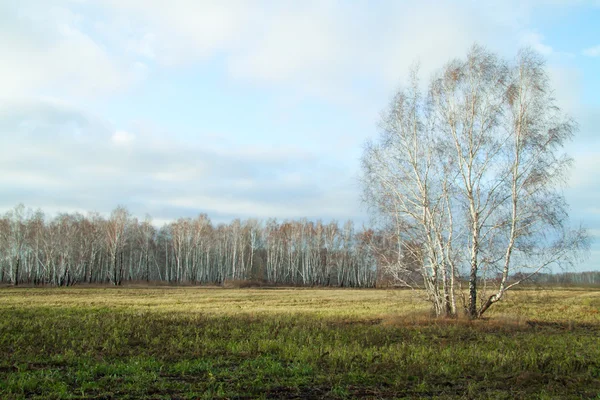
(469, 172)
(14, 238)
(115, 231)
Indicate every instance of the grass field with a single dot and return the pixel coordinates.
(285, 343)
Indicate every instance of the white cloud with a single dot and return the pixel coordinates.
(122, 138)
(54, 155)
(317, 47)
(177, 32)
(46, 48)
(592, 51)
(535, 40)
(320, 47)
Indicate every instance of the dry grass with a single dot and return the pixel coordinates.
(550, 305)
(217, 301)
(191, 342)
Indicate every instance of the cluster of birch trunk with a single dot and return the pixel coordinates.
(73, 248)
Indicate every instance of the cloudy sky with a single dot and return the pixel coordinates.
(250, 108)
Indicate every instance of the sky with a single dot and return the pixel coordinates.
(251, 108)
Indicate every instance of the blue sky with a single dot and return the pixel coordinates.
(250, 108)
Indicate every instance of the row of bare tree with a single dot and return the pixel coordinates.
(73, 248)
(585, 278)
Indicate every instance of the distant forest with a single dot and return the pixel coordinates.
(566, 278)
(73, 248)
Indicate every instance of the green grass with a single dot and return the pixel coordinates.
(275, 343)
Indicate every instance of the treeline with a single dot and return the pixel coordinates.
(565, 278)
(73, 248)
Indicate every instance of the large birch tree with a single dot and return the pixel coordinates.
(469, 171)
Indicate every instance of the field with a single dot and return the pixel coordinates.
(103, 343)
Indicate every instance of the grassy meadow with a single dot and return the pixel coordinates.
(185, 343)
